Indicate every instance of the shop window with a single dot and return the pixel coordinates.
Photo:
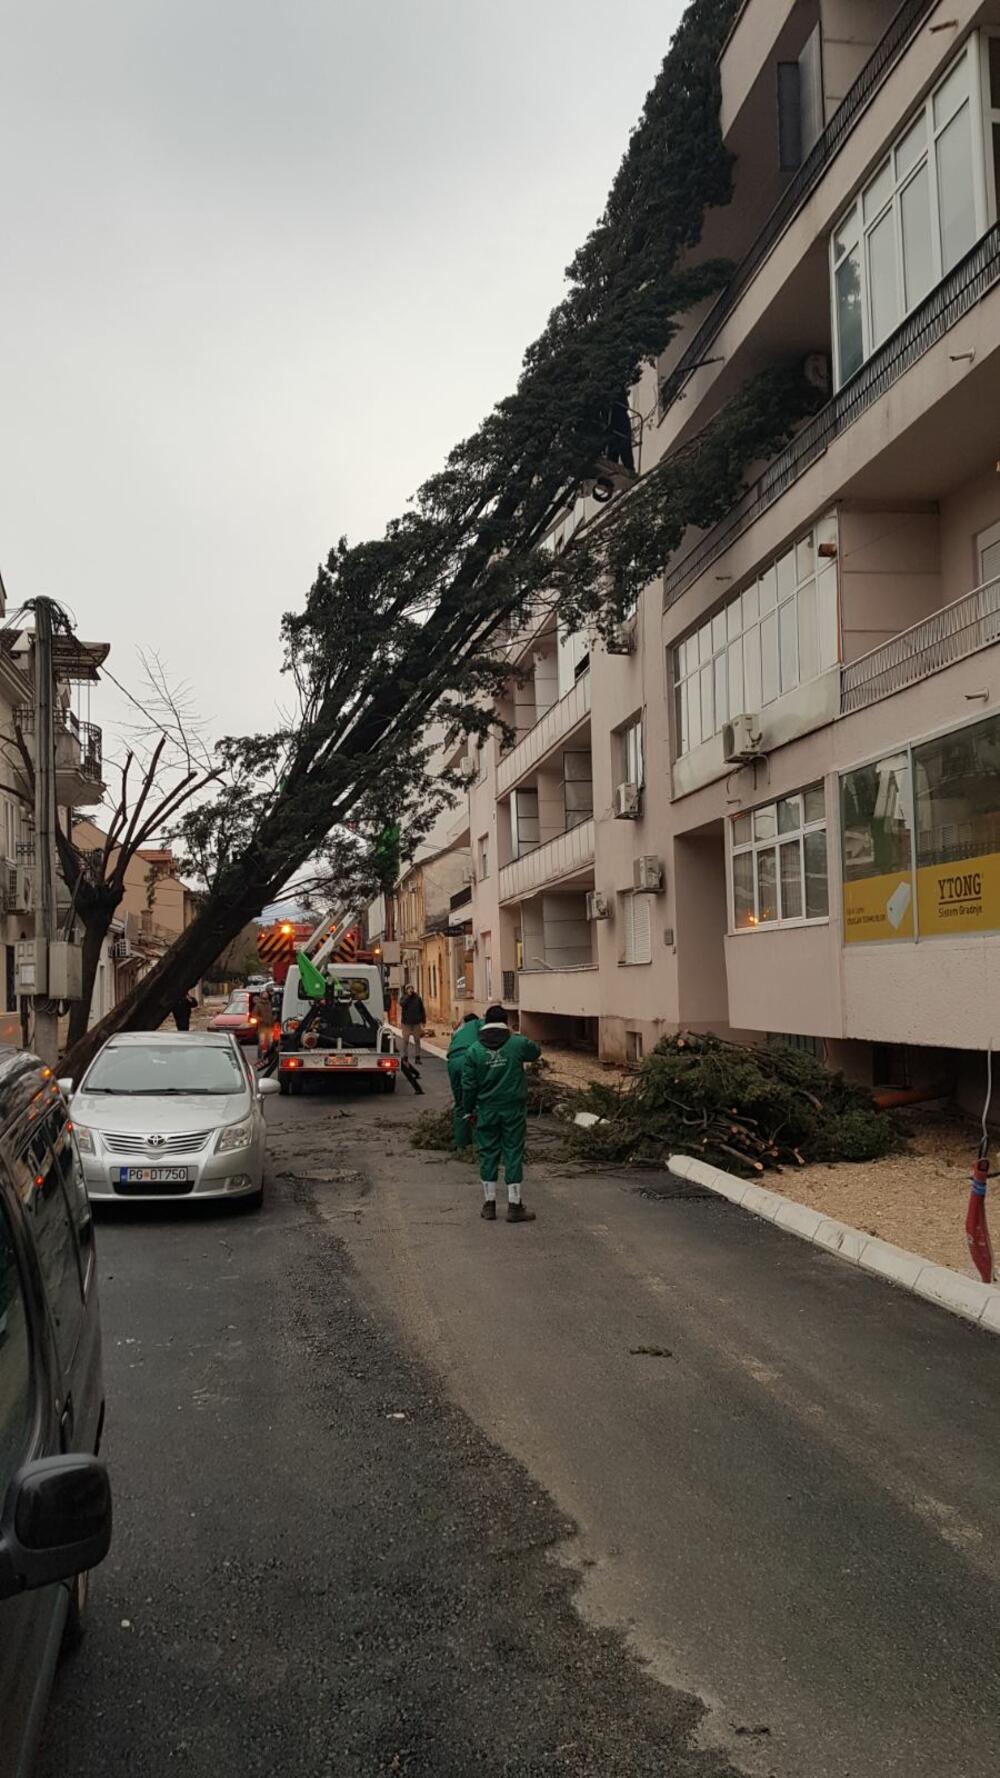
(778, 862)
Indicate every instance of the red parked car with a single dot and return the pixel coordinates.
(239, 1016)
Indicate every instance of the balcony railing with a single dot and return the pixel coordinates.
(509, 984)
(562, 856)
(953, 298)
(949, 635)
(798, 190)
(559, 721)
(573, 993)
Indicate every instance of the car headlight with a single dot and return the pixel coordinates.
(237, 1136)
(84, 1139)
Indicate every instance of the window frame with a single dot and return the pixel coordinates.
(628, 900)
(754, 846)
(853, 225)
(628, 740)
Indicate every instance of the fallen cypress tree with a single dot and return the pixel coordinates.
(746, 1109)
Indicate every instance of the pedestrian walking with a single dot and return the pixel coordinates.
(458, 1048)
(412, 1018)
(183, 1008)
(495, 1095)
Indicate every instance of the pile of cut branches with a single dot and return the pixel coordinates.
(741, 1108)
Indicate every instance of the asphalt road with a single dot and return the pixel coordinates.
(402, 1491)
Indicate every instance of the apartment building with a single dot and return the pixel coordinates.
(774, 808)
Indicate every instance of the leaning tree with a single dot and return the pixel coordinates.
(406, 627)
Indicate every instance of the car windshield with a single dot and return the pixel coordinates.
(238, 1003)
(165, 1068)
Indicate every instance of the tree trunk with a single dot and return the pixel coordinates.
(97, 924)
(178, 970)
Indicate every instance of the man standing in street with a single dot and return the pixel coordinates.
(183, 1008)
(495, 1093)
(461, 1042)
(412, 1018)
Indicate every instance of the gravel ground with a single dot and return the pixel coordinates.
(916, 1199)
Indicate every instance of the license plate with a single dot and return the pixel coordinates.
(153, 1175)
(341, 1062)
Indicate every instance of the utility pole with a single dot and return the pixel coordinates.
(46, 1039)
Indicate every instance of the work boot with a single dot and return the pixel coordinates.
(518, 1213)
(489, 1210)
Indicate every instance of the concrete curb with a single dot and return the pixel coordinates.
(967, 1297)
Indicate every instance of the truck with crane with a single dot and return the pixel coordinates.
(333, 1014)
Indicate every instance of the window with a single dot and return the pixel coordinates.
(488, 965)
(637, 928)
(578, 788)
(627, 747)
(919, 214)
(877, 850)
(10, 979)
(41, 1187)
(633, 1046)
(779, 632)
(484, 858)
(525, 827)
(16, 1396)
(988, 542)
(778, 862)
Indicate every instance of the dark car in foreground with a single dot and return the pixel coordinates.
(55, 1502)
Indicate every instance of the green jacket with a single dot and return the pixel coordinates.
(462, 1039)
(493, 1074)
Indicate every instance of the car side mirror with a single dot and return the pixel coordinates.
(56, 1522)
(264, 1087)
(67, 1085)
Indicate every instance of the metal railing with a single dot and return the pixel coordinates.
(951, 634)
(509, 983)
(966, 285)
(798, 189)
(557, 722)
(563, 855)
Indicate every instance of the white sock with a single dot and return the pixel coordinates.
(514, 1191)
(490, 1190)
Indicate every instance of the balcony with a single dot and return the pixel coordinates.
(951, 634)
(903, 27)
(567, 855)
(555, 726)
(953, 298)
(573, 993)
(78, 761)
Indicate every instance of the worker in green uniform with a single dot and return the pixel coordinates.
(495, 1094)
(461, 1040)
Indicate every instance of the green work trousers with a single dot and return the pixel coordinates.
(460, 1128)
(500, 1134)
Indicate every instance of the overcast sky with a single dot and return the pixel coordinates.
(264, 261)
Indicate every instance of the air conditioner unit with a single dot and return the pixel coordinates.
(468, 767)
(741, 739)
(597, 905)
(647, 876)
(121, 950)
(628, 802)
(621, 638)
(468, 873)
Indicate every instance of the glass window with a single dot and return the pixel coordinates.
(808, 663)
(789, 650)
(721, 690)
(911, 147)
(846, 236)
(817, 892)
(734, 618)
(956, 787)
(768, 588)
(744, 907)
(785, 567)
(786, 882)
(769, 658)
(878, 192)
(918, 251)
(956, 197)
(827, 618)
(877, 844)
(750, 606)
(850, 337)
(737, 702)
(790, 860)
(707, 704)
(993, 44)
(718, 631)
(767, 888)
(952, 92)
(40, 1184)
(16, 1394)
(751, 670)
(882, 290)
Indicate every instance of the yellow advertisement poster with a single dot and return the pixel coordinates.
(961, 897)
(878, 908)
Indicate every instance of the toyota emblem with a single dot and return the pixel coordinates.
(155, 1141)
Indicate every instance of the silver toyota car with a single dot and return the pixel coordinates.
(169, 1115)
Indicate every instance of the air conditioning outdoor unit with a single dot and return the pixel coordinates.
(647, 876)
(741, 739)
(621, 638)
(18, 889)
(468, 767)
(628, 802)
(597, 905)
(468, 874)
(121, 950)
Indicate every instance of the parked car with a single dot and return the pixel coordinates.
(168, 1114)
(238, 1016)
(55, 1499)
